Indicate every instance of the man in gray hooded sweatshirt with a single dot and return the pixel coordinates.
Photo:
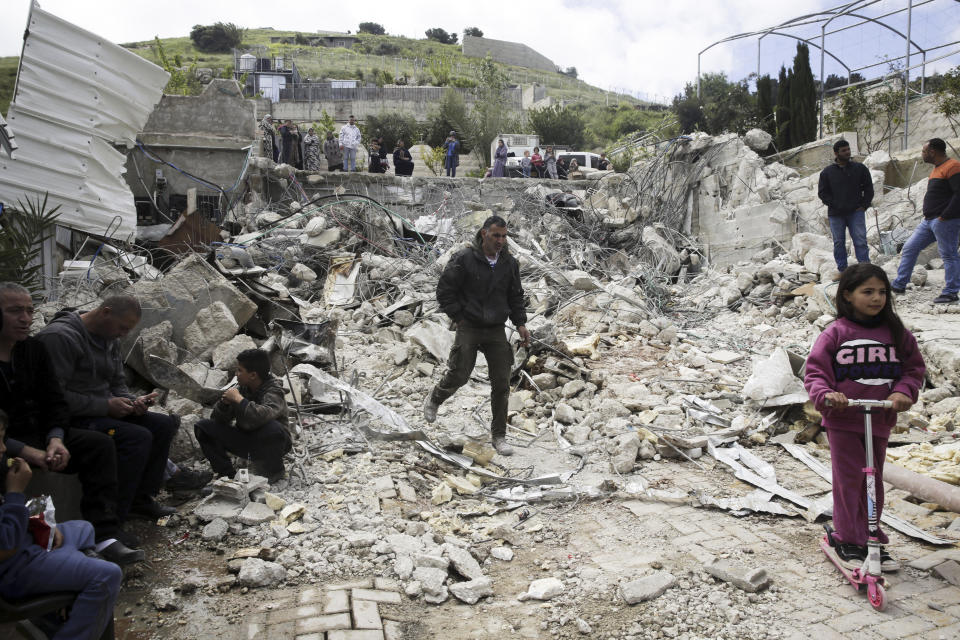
(85, 351)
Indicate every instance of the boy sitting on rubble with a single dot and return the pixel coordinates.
(249, 421)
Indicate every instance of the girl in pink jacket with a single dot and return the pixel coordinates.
(866, 353)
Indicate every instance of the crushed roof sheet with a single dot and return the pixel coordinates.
(77, 95)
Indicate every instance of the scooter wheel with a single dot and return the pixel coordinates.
(877, 596)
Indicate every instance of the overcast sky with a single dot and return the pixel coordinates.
(645, 46)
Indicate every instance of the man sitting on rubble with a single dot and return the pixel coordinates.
(39, 425)
(85, 350)
(479, 289)
(249, 421)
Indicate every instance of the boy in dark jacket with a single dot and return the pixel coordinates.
(249, 421)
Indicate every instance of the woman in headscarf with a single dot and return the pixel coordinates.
(402, 160)
(269, 138)
(311, 155)
(500, 160)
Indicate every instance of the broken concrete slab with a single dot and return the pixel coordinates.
(949, 571)
(471, 591)
(255, 572)
(255, 513)
(647, 588)
(464, 563)
(212, 326)
(750, 580)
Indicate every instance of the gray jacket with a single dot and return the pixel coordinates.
(90, 369)
(257, 409)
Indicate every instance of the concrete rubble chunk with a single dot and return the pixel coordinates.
(464, 563)
(274, 501)
(212, 326)
(225, 355)
(502, 553)
(432, 582)
(256, 513)
(647, 588)
(213, 507)
(427, 560)
(165, 599)
(472, 590)
(255, 572)
(543, 589)
(215, 530)
(750, 580)
(758, 140)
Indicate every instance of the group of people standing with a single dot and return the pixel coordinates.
(285, 145)
(846, 188)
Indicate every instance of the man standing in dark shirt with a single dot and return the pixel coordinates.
(479, 289)
(847, 189)
(940, 224)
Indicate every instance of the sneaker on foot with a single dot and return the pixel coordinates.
(946, 298)
(430, 408)
(898, 290)
(887, 563)
(500, 444)
(851, 555)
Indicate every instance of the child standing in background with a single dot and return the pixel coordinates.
(525, 163)
(866, 353)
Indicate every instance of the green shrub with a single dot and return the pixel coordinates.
(219, 37)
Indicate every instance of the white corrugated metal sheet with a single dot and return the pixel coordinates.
(76, 95)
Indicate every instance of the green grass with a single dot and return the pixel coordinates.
(361, 61)
(8, 74)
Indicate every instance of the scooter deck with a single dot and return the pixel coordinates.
(856, 577)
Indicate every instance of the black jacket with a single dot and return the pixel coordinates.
(33, 399)
(845, 189)
(259, 407)
(471, 291)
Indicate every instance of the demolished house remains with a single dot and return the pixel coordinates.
(670, 475)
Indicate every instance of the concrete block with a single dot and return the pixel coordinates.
(320, 624)
(212, 326)
(366, 615)
(255, 513)
(750, 580)
(647, 588)
(355, 634)
(377, 595)
(336, 602)
(472, 590)
(225, 354)
(949, 571)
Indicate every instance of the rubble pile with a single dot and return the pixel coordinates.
(647, 352)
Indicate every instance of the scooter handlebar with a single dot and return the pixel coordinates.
(871, 404)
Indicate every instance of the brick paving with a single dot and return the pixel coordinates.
(351, 610)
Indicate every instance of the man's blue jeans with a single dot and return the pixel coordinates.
(946, 233)
(856, 222)
(349, 158)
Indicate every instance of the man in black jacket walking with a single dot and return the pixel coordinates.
(846, 187)
(479, 289)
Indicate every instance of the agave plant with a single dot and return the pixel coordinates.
(23, 229)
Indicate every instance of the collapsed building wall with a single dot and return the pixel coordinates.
(208, 136)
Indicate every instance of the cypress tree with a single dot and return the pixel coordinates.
(765, 104)
(803, 99)
(783, 109)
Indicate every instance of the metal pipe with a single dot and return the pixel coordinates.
(923, 487)
(698, 75)
(823, 84)
(906, 80)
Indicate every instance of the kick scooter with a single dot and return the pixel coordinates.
(870, 574)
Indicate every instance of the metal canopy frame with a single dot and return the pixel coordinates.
(823, 19)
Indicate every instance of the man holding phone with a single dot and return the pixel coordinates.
(85, 351)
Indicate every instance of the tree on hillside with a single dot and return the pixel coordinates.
(765, 104)
(559, 125)
(570, 71)
(373, 28)
(489, 115)
(473, 31)
(441, 36)
(834, 81)
(782, 138)
(219, 37)
(803, 99)
(723, 105)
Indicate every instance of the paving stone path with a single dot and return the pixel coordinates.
(354, 610)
